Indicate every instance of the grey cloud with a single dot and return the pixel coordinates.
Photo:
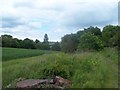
(23, 5)
(31, 5)
(63, 16)
(11, 22)
(99, 16)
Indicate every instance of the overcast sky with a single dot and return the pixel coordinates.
(33, 18)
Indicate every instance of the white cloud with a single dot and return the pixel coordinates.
(56, 17)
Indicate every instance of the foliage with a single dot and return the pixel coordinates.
(37, 41)
(6, 40)
(96, 39)
(56, 46)
(89, 41)
(94, 30)
(69, 43)
(110, 35)
(80, 33)
(55, 70)
(28, 44)
(38, 45)
(15, 43)
(9, 41)
(46, 38)
(45, 46)
(0, 41)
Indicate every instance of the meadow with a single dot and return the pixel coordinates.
(85, 70)
(14, 53)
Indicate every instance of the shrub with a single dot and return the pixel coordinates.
(69, 43)
(56, 46)
(89, 41)
(56, 70)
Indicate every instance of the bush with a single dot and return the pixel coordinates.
(56, 70)
(56, 46)
(110, 35)
(69, 43)
(89, 41)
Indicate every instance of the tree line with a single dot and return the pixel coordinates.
(9, 41)
(91, 38)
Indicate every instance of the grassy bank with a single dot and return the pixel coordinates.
(85, 70)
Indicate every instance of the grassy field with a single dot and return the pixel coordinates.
(14, 53)
(85, 70)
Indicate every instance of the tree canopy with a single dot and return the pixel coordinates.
(9, 41)
(91, 38)
(110, 35)
(56, 46)
(69, 43)
(89, 41)
(45, 38)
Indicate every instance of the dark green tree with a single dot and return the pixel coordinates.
(15, 43)
(80, 33)
(94, 30)
(110, 35)
(38, 45)
(69, 43)
(89, 41)
(20, 43)
(37, 41)
(0, 41)
(28, 44)
(56, 46)
(45, 44)
(6, 40)
(46, 38)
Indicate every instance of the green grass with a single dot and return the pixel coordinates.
(15, 53)
(85, 70)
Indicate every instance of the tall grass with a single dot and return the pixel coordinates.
(85, 70)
